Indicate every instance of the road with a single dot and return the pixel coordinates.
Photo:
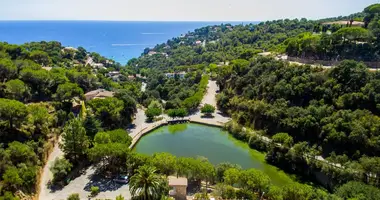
(46, 174)
(210, 98)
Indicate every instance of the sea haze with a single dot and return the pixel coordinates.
(120, 41)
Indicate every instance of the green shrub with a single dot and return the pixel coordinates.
(94, 190)
(74, 196)
(119, 197)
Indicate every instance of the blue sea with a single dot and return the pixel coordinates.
(119, 41)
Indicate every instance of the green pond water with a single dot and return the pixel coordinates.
(191, 140)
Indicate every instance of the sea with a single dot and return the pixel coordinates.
(118, 40)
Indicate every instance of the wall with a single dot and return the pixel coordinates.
(374, 65)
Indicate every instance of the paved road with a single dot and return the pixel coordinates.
(210, 98)
(46, 174)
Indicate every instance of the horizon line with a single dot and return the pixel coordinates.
(98, 20)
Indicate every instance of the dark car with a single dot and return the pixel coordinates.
(123, 179)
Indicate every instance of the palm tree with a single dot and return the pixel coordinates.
(146, 184)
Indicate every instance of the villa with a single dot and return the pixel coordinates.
(178, 187)
(151, 53)
(175, 74)
(99, 93)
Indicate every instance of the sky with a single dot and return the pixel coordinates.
(177, 10)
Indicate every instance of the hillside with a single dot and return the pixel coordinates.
(42, 86)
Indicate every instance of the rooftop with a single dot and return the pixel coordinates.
(355, 23)
(174, 181)
(99, 93)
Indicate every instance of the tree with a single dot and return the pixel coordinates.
(40, 57)
(18, 153)
(111, 149)
(180, 112)
(352, 34)
(225, 191)
(92, 125)
(232, 176)
(39, 80)
(146, 184)
(80, 54)
(351, 75)
(74, 140)
(39, 119)
(208, 109)
(151, 113)
(12, 179)
(60, 169)
(275, 193)
(297, 191)
(284, 139)
(357, 190)
(108, 111)
(255, 180)
(67, 91)
(14, 112)
(7, 69)
(164, 162)
(16, 89)
(222, 167)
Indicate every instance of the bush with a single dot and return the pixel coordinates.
(208, 109)
(74, 196)
(60, 169)
(201, 196)
(94, 190)
(152, 112)
(283, 138)
(119, 197)
(180, 112)
(245, 194)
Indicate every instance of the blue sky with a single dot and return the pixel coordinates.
(177, 10)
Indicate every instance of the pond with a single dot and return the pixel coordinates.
(191, 140)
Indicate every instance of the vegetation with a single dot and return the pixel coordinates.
(60, 169)
(146, 184)
(35, 103)
(208, 109)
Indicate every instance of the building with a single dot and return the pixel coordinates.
(130, 77)
(70, 49)
(198, 42)
(113, 73)
(99, 93)
(175, 74)
(151, 53)
(343, 23)
(178, 187)
(47, 68)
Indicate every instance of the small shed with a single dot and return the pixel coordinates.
(178, 187)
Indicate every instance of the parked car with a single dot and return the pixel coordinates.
(123, 179)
